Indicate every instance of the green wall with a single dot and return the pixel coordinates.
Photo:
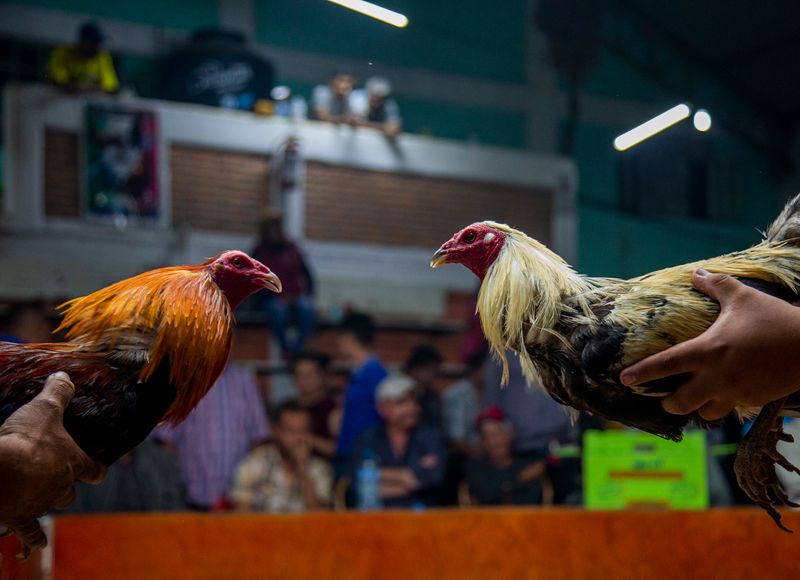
(485, 40)
(613, 243)
(469, 37)
(178, 14)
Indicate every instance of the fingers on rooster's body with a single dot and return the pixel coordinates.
(30, 535)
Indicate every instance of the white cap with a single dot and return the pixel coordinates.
(394, 387)
(378, 86)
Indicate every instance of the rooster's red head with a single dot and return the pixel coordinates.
(238, 275)
(476, 246)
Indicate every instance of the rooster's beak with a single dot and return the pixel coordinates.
(271, 282)
(439, 258)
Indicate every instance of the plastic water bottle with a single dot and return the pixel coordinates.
(298, 108)
(368, 483)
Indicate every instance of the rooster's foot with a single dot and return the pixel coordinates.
(756, 459)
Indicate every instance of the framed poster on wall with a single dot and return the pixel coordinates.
(121, 165)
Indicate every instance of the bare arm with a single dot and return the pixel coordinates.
(388, 128)
(398, 482)
(312, 501)
(323, 115)
(301, 458)
(531, 473)
(326, 447)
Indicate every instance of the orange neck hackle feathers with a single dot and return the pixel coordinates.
(184, 313)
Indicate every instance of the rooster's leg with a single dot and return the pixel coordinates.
(756, 460)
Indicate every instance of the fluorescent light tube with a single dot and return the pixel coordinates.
(375, 11)
(649, 128)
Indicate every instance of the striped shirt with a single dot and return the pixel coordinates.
(227, 423)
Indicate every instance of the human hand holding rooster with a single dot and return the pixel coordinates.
(40, 462)
(747, 358)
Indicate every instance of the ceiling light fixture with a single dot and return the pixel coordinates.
(375, 11)
(649, 128)
(702, 120)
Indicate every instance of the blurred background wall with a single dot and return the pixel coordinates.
(485, 74)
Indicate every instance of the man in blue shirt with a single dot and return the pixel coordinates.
(355, 342)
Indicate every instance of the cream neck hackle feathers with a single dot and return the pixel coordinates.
(529, 289)
(522, 296)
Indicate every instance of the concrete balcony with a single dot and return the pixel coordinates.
(368, 211)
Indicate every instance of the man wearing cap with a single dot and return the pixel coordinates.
(498, 476)
(411, 456)
(294, 307)
(85, 66)
(376, 108)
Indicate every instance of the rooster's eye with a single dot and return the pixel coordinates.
(237, 262)
(469, 237)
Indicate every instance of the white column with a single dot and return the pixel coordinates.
(24, 158)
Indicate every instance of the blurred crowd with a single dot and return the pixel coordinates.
(86, 66)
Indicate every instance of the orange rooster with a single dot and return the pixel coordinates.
(141, 351)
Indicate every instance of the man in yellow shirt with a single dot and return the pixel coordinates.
(85, 66)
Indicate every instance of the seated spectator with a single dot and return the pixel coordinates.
(498, 477)
(26, 323)
(147, 479)
(284, 476)
(411, 456)
(309, 371)
(85, 66)
(355, 341)
(376, 108)
(293, 309)
(538, 422)
(461, 404)
(333, 102)
(423, 365)
(226, 424)
(537, 419)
